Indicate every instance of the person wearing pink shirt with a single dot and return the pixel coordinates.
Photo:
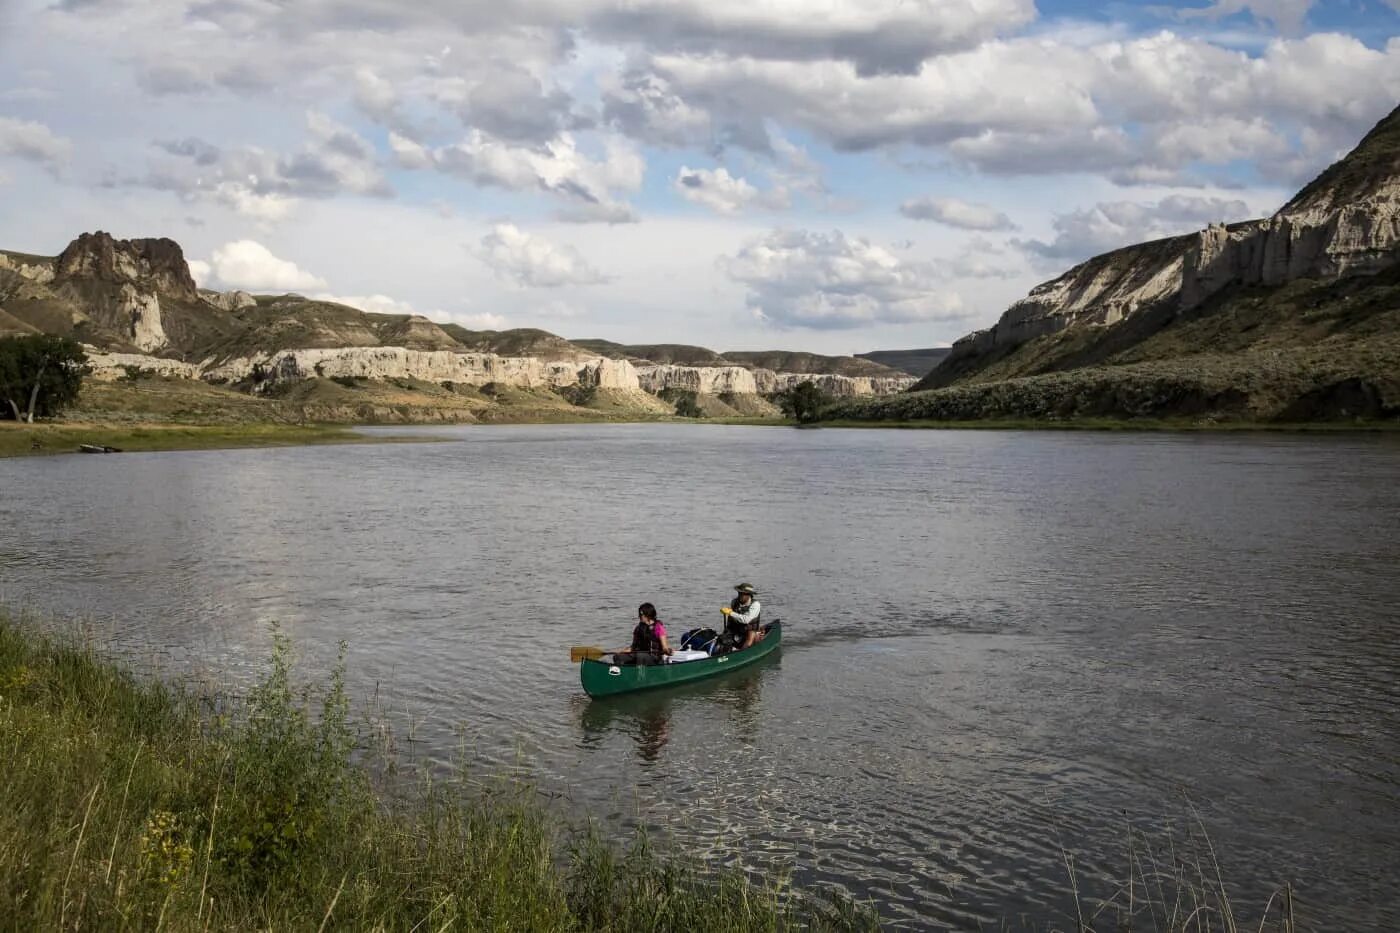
(649, 645)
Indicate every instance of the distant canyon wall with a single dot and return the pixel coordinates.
(736, 380)
(478, 369)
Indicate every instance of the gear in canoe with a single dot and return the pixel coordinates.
(651, 661)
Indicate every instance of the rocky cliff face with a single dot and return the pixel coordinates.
(158, 264)
(737, 380)
(478, 369)
(33, 268)
(228, 301)
(1347, 222)
(120, 284)
(438, 366)
(123, 296)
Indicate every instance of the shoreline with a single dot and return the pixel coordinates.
(196, 809)
(54, 439)
(1138, 425)
(64, 437)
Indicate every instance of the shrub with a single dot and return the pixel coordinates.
(688, 406)
(579, 395)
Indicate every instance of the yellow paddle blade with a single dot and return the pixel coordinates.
(579, 652)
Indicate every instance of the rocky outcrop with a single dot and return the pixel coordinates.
(1358, 238)
(703, 380)
(34, 269)
(120, 284)
(439, 366)
(125, 295)
(478, 369)
(1102, 291)
(737, 380)
(844, 386)
(104, 365)
(142, 312)
(228, 301)
(1347, 222)
(157, 264)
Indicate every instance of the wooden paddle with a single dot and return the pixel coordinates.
(579, 652)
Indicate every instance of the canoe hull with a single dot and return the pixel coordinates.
(603, 679)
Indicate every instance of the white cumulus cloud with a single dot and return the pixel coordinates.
(715, 189)
(484, 320)
(35, 142)
(532, 261)
(378, 304)
(956, 213)
(247, 264)
(588, 186)
(799, 278)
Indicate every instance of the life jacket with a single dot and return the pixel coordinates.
(644, 638)
(734, 604)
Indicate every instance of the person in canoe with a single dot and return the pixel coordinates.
(741, 618)
(649, 643)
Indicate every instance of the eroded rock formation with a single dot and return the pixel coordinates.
(35, 270)
(1347, 222)
(228, 301)
(737, 380)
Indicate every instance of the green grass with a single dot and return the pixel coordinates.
(1124, 424)
(19, 440)
(134, 805)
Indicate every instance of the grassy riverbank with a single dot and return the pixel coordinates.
(19, 440)
(1146, 425)
(129, 805)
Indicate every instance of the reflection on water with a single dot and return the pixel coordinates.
(1001, 645)
(646, 718)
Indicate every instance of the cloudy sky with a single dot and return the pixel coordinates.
(827, 175)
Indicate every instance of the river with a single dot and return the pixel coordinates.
(1000, 648)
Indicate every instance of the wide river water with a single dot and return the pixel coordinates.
(1000, 649)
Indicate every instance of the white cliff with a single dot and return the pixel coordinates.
(109, 366)
(439, 366)
(704, 380)
(1347, 222)
(737, 380)
(139, 312)
(478, 369)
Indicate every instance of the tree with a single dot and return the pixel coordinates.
(40, 375)
(803, 402)
(687, 406)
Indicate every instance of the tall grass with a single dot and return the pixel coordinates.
(133, 805)
(1174, 884)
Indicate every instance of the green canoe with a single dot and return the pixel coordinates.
(604, 679)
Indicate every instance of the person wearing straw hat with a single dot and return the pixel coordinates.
(741, 617)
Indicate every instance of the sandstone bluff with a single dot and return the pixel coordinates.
(136, 306)
(1291, 318)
